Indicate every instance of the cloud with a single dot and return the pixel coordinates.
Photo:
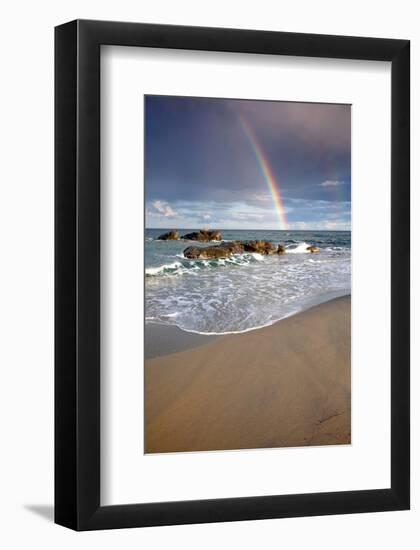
(164, 209)
(327, 225)
(262, 197)
(299, 226)
(319, 125)
(331, 183)
(311, 206)
(248, 216)
(248, 213)
(197, 149)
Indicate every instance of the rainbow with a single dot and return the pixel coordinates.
(267, 173)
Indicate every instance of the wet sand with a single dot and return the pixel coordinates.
(285, 385)
(162, 340)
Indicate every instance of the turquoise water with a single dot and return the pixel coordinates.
(245, 291)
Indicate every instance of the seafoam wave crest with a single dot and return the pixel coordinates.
(190, 266)
(300, 248)
(183, 265)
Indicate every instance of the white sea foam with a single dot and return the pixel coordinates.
(190, 266)
(301, 248)
(150, 271)
(258, 257)
(268, 324)
(245, 291)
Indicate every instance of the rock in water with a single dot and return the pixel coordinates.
(260, 247)
(214, 235)
(213, 252)
(225, 250)
(171, 235)
(204, 236)
(312, 249)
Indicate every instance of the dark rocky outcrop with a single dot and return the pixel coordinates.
(204, 236)
(213, 252)
(227, 249)
(172, 235)
(260, 247)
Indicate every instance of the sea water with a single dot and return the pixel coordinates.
(245, 291)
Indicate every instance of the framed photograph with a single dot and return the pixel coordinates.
(232, 275)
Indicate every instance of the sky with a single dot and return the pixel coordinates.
(247, 164)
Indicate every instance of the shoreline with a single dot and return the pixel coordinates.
(285, 385)
(161, 339)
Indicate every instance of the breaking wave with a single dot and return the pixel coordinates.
(190, 266)
(300, 248)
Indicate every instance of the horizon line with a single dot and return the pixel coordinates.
(216, 228)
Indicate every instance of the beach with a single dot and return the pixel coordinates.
(284, 385)
(166, 339)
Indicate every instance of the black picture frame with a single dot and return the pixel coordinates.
(77, 274)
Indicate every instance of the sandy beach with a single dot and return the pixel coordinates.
(166, 339)
(285, 385)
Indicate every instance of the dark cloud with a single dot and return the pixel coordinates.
(200, 165)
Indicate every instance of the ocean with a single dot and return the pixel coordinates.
(245, 291)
